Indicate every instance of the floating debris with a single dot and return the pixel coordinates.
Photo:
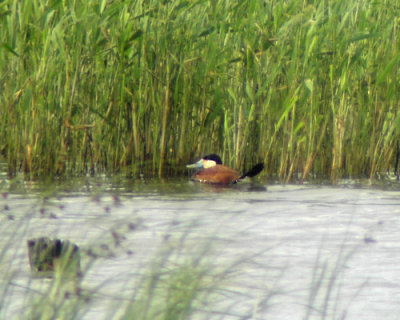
(53, 255)
(368, 239)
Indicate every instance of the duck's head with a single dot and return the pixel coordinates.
(206, 162)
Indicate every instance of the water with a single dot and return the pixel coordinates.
(276, 252)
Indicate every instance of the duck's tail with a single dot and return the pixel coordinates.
(253, 171)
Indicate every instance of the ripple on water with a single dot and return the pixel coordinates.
(276, 248)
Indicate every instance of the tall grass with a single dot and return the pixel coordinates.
(309, 87)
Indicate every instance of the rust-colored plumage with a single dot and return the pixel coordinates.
(218, 174)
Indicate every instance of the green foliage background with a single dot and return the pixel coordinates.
(305, 86)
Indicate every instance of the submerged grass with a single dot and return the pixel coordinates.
(309, 87)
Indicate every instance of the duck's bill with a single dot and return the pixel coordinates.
(198, 164)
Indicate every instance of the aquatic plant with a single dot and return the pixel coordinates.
(309, 87)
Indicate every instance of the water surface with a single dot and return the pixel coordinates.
(285, 252)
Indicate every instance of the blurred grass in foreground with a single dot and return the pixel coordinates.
(182, 281)
(309, 87)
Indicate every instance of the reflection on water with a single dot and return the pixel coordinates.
(284, 252)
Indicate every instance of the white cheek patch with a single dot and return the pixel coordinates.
(208, 163)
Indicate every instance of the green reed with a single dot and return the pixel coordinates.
(308, 87)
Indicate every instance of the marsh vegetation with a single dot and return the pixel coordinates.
(308, 87)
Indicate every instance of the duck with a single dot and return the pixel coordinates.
(212, 171)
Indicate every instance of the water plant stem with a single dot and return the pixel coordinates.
(308, 87)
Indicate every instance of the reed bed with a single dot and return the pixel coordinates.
(308, 87)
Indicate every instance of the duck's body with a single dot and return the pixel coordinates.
(218, 174)
(213, 172)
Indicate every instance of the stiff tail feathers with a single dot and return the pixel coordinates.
(253, 171)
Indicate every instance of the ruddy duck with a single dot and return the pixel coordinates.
(214, 172)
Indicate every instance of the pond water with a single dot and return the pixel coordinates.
(268, 251)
